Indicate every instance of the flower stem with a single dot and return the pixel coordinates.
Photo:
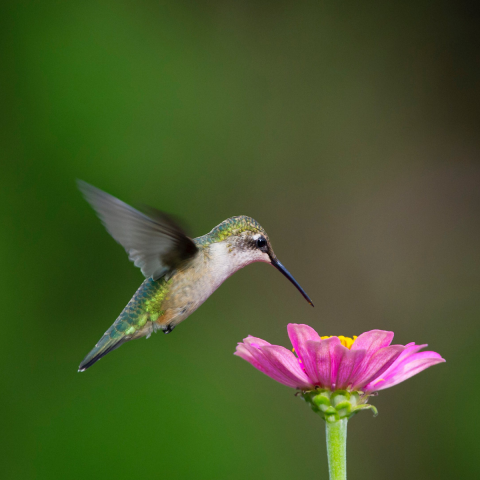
(337, 448)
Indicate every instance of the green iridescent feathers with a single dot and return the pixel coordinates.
(230, 226)
(145, 306)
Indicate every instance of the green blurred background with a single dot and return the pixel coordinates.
(349, 130)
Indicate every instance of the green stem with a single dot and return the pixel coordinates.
(337, 448)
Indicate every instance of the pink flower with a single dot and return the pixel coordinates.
(366, 364)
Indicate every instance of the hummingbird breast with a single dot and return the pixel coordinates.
(191, 284)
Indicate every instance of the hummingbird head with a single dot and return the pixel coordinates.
(242, 240)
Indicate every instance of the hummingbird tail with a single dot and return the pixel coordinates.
(133, 322)
(106, 344)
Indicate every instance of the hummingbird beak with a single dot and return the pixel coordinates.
(285, 272)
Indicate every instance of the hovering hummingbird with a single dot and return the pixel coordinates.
(181, 272)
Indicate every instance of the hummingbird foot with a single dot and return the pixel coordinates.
(169, 328)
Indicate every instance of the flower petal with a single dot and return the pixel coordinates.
(350, 361)
(406, 367)
(276, 362)
(299, 335)
(372, 341)
(286, 363)
(242, 352)
(373, 367)
(321, 360)
(410, 349)
(255, 341)
(257, 359)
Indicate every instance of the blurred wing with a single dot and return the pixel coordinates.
(156, 244)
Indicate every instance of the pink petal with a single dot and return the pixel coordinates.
(258, 360)
(255, 342)
(244, 353)
(299, 336)
(374, 366)
(276, 362)
(349, 362)
(407, 367)
(372, 341)
(336, 357)
(320, 360)
(286, 363)
(410, 349)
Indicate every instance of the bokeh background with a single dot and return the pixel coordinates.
(349, 130)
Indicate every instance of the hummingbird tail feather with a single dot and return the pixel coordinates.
(133, 322)
(106, 345)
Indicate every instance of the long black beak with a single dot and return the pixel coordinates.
(285, 272)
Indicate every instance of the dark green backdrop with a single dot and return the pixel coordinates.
(349, 130)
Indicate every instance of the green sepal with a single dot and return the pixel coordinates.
(333, 406)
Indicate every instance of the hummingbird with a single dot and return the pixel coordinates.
(181, 272)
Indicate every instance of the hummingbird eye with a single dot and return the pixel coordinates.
(261, 243)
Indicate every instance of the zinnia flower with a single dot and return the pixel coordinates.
(336, 375)
(361, 365)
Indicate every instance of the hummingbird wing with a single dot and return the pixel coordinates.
(155, 242)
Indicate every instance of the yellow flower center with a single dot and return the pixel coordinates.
(346, 341)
